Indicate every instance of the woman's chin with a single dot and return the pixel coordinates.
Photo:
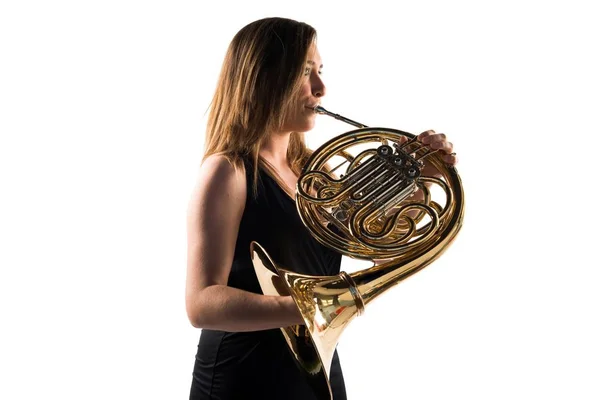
(307, 125)
(303, 125)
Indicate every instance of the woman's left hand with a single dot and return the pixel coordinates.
(438, 141)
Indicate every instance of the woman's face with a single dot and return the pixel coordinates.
(302, 117)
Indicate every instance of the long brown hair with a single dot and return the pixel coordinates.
(261, 71)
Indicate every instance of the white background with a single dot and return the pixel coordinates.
(102, 116)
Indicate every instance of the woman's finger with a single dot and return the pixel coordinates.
(436, 137)
(423, 136)
(401, 140)
(450, 159)
(443, 146)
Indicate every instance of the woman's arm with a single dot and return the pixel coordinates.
(214, 214)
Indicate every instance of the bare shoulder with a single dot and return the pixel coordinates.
(218, 167)
(219, 182)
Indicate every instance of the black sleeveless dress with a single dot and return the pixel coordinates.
(259, 365)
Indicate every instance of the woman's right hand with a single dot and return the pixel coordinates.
(292, 308)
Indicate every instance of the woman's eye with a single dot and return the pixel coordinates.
(307, 71)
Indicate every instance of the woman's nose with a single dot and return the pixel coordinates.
(318, 87)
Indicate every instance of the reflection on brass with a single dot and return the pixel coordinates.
(379, 207)
(279, 286)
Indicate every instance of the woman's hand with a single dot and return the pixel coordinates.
(438, 141)
(291, 307)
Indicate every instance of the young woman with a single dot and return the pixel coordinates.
(269, 84)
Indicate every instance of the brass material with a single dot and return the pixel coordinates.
(380, 208)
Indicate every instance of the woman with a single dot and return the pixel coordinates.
(269, 83)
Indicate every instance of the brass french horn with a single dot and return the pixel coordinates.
(380, 207)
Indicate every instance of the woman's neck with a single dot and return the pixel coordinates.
(274, 150)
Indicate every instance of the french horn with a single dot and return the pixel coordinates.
(379, 206)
